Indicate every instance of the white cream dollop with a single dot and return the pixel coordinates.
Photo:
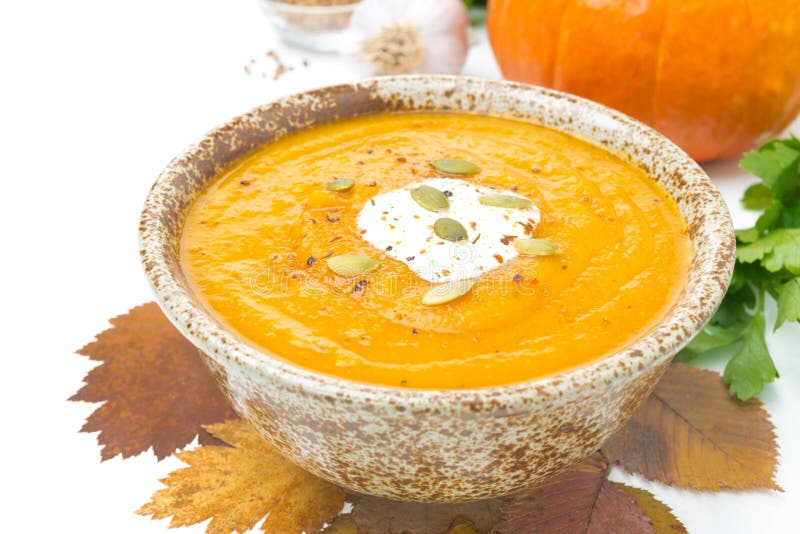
(394, 223)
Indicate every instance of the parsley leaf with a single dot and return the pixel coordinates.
(767, 263)
(752, 366)
(788, 302)
(780, 249)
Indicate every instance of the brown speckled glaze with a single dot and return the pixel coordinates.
(432, 445)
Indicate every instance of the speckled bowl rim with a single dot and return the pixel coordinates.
(681, 323)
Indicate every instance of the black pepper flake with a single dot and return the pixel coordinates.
(359, 162)
(313, 221)
(513, 188)
(401, 159)
(448, 193)
(305, 63)
(369, 151)
(476, 239)
(389, 248)
(404, 383)
(372, 201)
(332, 219)
(517, 277)
(410, 258)
(414, 331)
(585, 199)
(536, 169)
(564, 267)
(311, 260)
(244, 182)
(372, 184)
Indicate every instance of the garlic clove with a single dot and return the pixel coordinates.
(405, 36)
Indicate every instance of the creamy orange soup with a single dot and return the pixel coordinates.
(257, 243)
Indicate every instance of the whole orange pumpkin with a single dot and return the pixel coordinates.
(715, 76)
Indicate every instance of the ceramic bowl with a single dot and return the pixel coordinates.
(436, 445)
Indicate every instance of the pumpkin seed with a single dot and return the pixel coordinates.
(351, 265)
(455, 166)
(450, 229)
(341, 185)
(536, 247)
(505, 201)
(429, 198)
(443, 293)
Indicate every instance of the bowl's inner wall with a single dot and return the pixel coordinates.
(189, 174)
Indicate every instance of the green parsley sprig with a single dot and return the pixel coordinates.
(767, 263)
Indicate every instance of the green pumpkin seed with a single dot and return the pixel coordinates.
(450, 229)
(351, 265)
(443, 293)
(341, 185)
(505, 201)
(429, 198)
(536, 247)
(455, 166)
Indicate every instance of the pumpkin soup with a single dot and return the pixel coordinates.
(436, 250)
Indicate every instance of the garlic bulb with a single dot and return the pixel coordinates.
(405, 36)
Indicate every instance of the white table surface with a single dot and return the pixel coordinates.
(95, 98)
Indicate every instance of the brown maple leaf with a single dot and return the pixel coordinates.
(238, 485)
(691, 433)
(660, 515)
(155, 388)
(579, 501)
(375, 515)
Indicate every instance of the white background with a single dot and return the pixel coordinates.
(95, 98)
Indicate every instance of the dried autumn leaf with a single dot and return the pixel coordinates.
(343, 524)
(692, 434)
(660, 515)
(375, 515)
(238, 485)
(580, 500)
(156, 390)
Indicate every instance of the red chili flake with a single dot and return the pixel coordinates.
(473, 225)
(536, 169)
(388, 150)
(359, 162)
(305, 62)
(507, 239)
(244, 182)
(401, 159)
(391, 227)
(499, 258)
(328, 255)
(372, 184)
(313, 221)
(364, 231)
(513, 188)
(372, 201)
(335, 239)
(422, 251)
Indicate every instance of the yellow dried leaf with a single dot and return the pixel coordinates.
(691, 433)
(236, 486)
(659, 514)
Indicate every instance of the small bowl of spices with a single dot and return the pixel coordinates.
(311, 24)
